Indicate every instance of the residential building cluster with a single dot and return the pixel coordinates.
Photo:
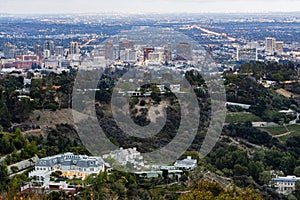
(72, 166)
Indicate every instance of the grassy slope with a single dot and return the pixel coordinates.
(283, 133)
(240, 117)
(46, 118)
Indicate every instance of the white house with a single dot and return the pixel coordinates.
(186, 164)
(70, 165)
(285, 185)
(125, 156)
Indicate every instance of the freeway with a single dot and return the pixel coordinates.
(213, 33)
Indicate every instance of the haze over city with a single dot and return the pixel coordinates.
(150, 99)
(147, 6)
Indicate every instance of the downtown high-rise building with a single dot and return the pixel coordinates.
(270, 45)
(109, 50)
(9, 50)
(146, 52)
(126, 44)
(74, 48)
(167, 52)
(59, 50)
(49, 45)
(128, 55)
(38, 50)
(47, 53)
(279, 47)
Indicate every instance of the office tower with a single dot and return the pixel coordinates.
(146, 51)
(252, 45)
(49, 45)
(66, 52)
(59, 50)
(109, 50)
(270, 45)
(167, 53)
(128, 55)
(19, 52)
(123, 45)
(184, 51)
(247, 54)
(74, 48)
(126, 44)
(155, 56)
(122, 55)
(9, 50)
(38, 50)
(47, 53)
(131, 55)
(279, 47)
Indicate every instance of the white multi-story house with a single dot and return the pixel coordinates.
(126, 156)
(285, 185)
(186, 164)
(79, 166)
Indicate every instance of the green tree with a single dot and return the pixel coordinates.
(264, 177)
(277, 77)
(255, 168)
(155, 93)
(297, 171)
(239, 170)
(5, 144)
(4, 115)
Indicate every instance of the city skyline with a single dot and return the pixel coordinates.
(148, 6)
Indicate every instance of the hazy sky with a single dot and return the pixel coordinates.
(142, 6)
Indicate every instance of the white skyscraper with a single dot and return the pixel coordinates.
(279, 47)
(270, 45)
(74, 48)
